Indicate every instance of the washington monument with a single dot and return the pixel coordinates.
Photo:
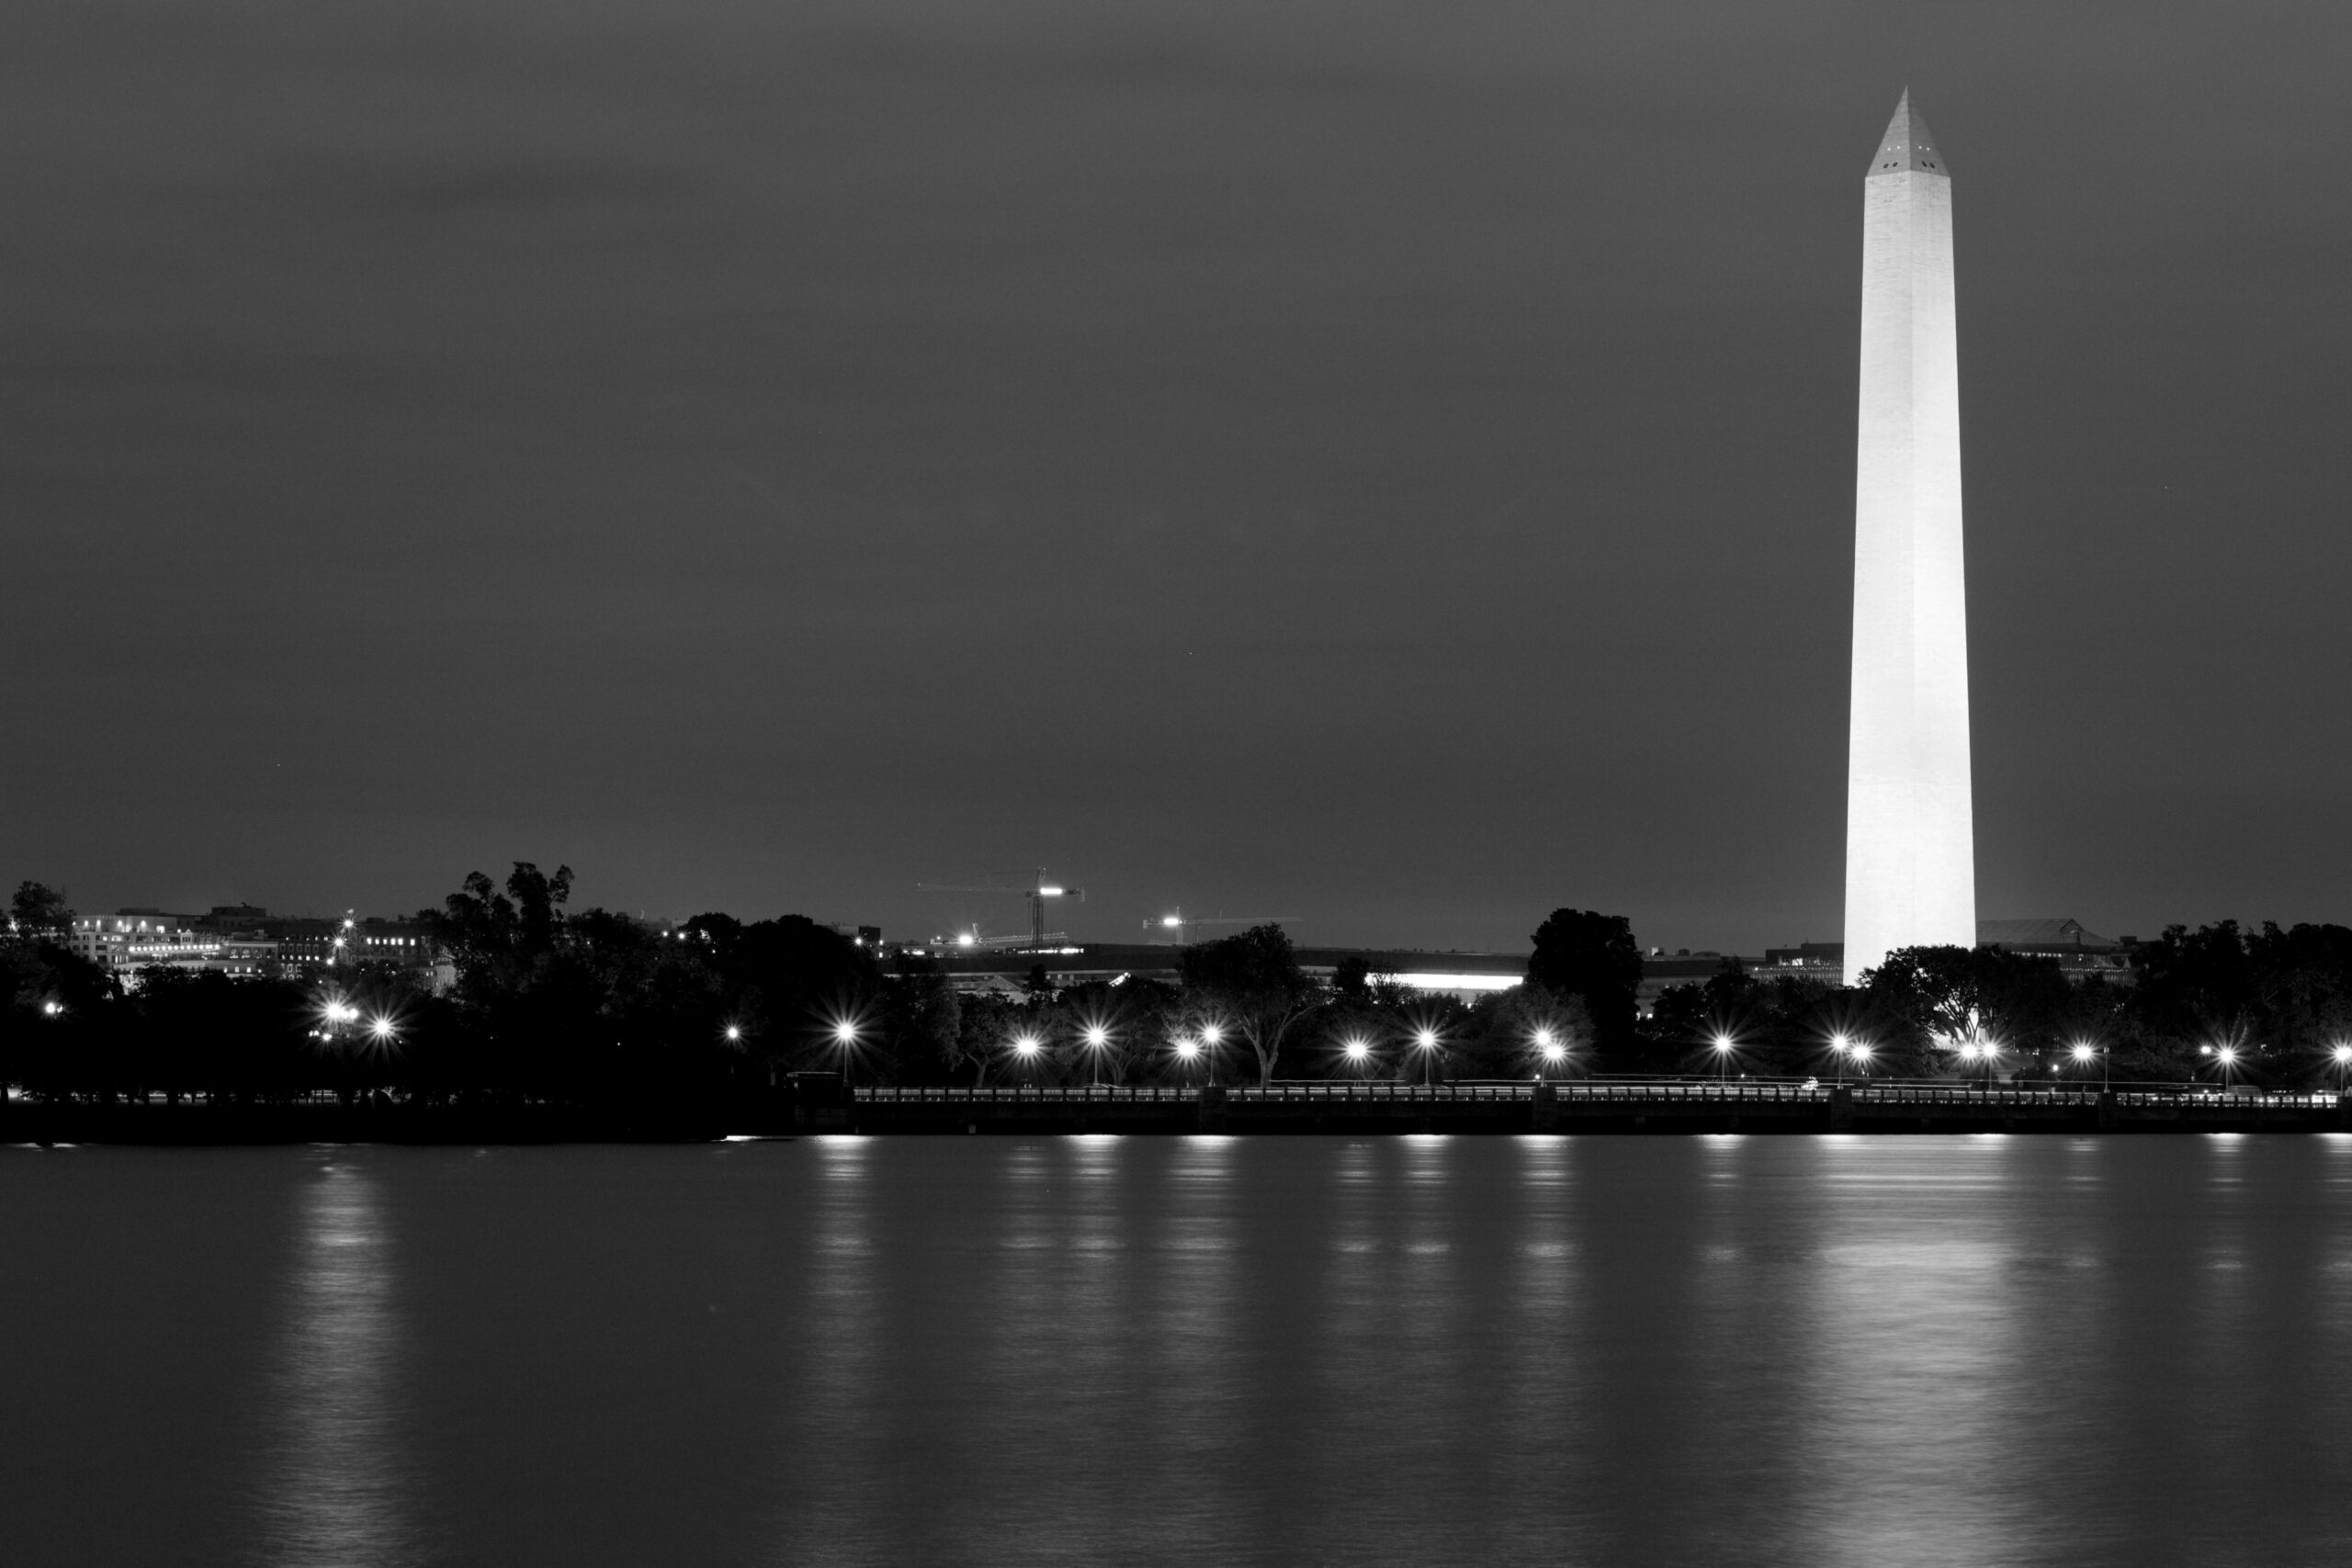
(1910, 842)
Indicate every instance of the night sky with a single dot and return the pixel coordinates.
(1387, 464)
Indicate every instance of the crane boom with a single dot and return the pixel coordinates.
(1178, 921)
(1037, 892)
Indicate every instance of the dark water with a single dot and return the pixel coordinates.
(1207, 1351)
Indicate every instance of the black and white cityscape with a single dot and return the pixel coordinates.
(1160, 783)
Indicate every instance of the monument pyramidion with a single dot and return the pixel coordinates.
(1910, 840)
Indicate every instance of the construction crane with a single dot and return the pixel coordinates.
(1037, 892)
(1175, 922)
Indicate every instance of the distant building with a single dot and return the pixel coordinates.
(247, 940)
(1662, 971)
(132, 940)
(2082, 954)
(979, 969)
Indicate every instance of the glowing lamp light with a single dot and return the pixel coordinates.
(1097, 1036)
(734, 1032)
(1971, 1052)
(1426, 1039)
(2343, 1054)
(964, 939)
(51, 1009)
(1049, 892)
(1171, 922)
(845, 1032)
(1211, 1034)
(2204, 1050)
(1859, 1052)
(381, 1028)
(1357, 1051)
(1188, 1049)
(1555, 1053)
(2228, 1054)
(1840, 1043)
(1028, 1045)
(2083, 1052)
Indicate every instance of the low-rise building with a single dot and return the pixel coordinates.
(2081, 953)
(132, 940)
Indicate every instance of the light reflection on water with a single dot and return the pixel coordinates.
(1839, 1351)
(334, 1491)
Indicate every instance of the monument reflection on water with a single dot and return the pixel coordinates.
(1195, 1349)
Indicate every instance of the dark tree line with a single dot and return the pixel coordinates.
(2267, 1006)
(589, 1008)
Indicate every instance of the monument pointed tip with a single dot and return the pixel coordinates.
(1907, 148)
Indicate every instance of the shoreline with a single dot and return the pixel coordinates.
(1582, 1108)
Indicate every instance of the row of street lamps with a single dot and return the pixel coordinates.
(1550, 1051)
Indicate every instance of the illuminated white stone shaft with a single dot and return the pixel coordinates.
(1910, 840)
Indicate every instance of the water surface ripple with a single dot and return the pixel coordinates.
(1835, 1351)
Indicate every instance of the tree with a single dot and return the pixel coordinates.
(2283, 997)
(37, 913)
(1252, 985)
(1925, 998)
(1582, 953)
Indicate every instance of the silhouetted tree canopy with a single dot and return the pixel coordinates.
(1252, 985)
(551, 1005)
(1582, 953)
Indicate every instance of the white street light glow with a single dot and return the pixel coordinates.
(1027, 1044)
(1357, 1050)
(734, 1032)
(1211, 1032)
(845, 1032)
(2084, 1053)
(1426, 1039)
(1097, 1036)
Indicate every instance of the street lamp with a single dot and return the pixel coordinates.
(735, 1034)
(1027, 1048)
(1425, 1042)
(1549, 1052)
(2227, 1056)
(2342, 1053)
(1358, 1051)
(1098, 1039)
(1723, 1045)
(2083, 1051)
(1188, 1050)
